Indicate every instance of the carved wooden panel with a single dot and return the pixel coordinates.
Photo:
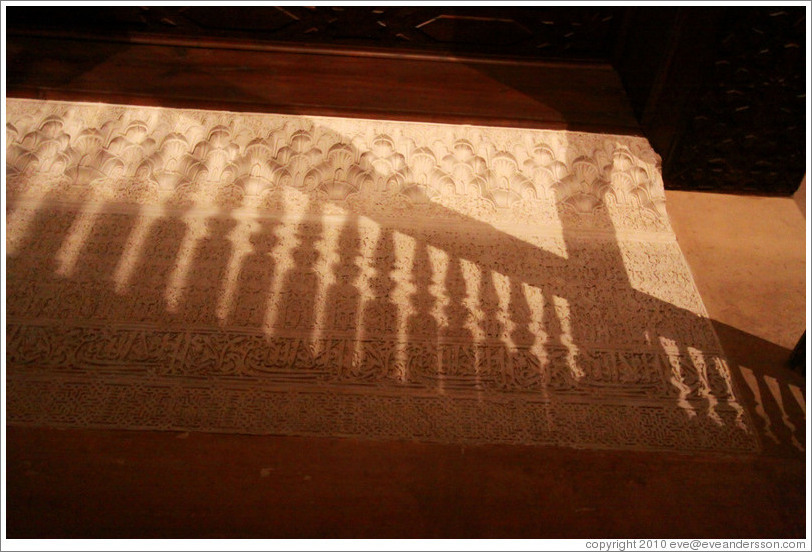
(747, 132)
(532, 32)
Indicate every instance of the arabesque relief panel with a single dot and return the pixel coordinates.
(192, 270)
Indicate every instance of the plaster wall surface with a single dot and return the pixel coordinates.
(511, 286)
(747, 257)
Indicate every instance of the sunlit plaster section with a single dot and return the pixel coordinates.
(798, 395)
(42, 150)
(270, 274)
(752, 382)
(775, 391)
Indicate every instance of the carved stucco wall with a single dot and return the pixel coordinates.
(178, 269)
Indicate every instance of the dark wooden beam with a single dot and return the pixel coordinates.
(556, 95)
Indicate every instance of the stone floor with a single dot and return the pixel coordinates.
(748, 259)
